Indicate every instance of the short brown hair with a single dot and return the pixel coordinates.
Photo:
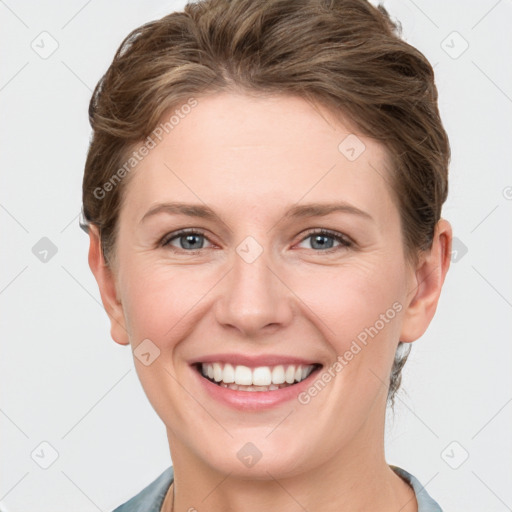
(345, 54)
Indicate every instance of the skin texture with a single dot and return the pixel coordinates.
(250, 159)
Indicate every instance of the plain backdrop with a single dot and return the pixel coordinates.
(70, 400)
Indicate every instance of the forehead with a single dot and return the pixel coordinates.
(251, 152)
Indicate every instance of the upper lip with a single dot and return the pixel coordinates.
(253, 361)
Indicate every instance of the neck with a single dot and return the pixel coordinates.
(356, 478)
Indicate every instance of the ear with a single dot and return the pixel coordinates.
(108, 290)
(425, 287)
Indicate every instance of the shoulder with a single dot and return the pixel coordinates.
(425, 502)
(150, 499)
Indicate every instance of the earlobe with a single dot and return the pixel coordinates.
(107, 286)
(425, 288)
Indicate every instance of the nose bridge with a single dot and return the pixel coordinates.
(253, 296)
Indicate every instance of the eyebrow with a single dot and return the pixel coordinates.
(299, 211)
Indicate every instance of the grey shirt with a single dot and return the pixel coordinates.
(151, 498)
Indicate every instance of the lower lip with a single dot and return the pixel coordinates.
(255, 400)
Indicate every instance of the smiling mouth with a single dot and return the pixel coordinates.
(261, 378)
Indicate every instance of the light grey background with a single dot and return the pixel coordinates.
(63, 380)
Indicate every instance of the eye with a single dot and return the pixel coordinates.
(190, 240)
(320, 239)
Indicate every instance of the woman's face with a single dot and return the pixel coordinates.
(255, 285)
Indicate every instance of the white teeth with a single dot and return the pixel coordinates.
(243, 375)
(236, 387)
(228, 375)
(262, 378)
(278, 374)
(217, 372)
(289, 376)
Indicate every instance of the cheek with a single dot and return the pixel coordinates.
(358, 309)
(348, 299)
(159, 301)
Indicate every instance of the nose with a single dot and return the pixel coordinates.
(254, 298)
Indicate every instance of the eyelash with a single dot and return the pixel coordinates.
(344, 241)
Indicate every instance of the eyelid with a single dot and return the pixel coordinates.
(167, 238)
(325, 231)
(344, 240)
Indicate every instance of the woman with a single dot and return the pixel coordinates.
(263, 192)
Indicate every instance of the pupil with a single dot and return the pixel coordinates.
(189, 239)
(320, 237)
